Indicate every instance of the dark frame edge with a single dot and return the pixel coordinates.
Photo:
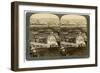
(55, 4)
(12, 36)
(96, 36)
(14, 52)
(56, 67)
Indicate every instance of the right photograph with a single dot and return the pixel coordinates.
(74, 31)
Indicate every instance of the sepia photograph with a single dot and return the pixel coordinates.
(56, 35)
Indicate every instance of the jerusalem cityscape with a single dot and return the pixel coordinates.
(56, 36)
